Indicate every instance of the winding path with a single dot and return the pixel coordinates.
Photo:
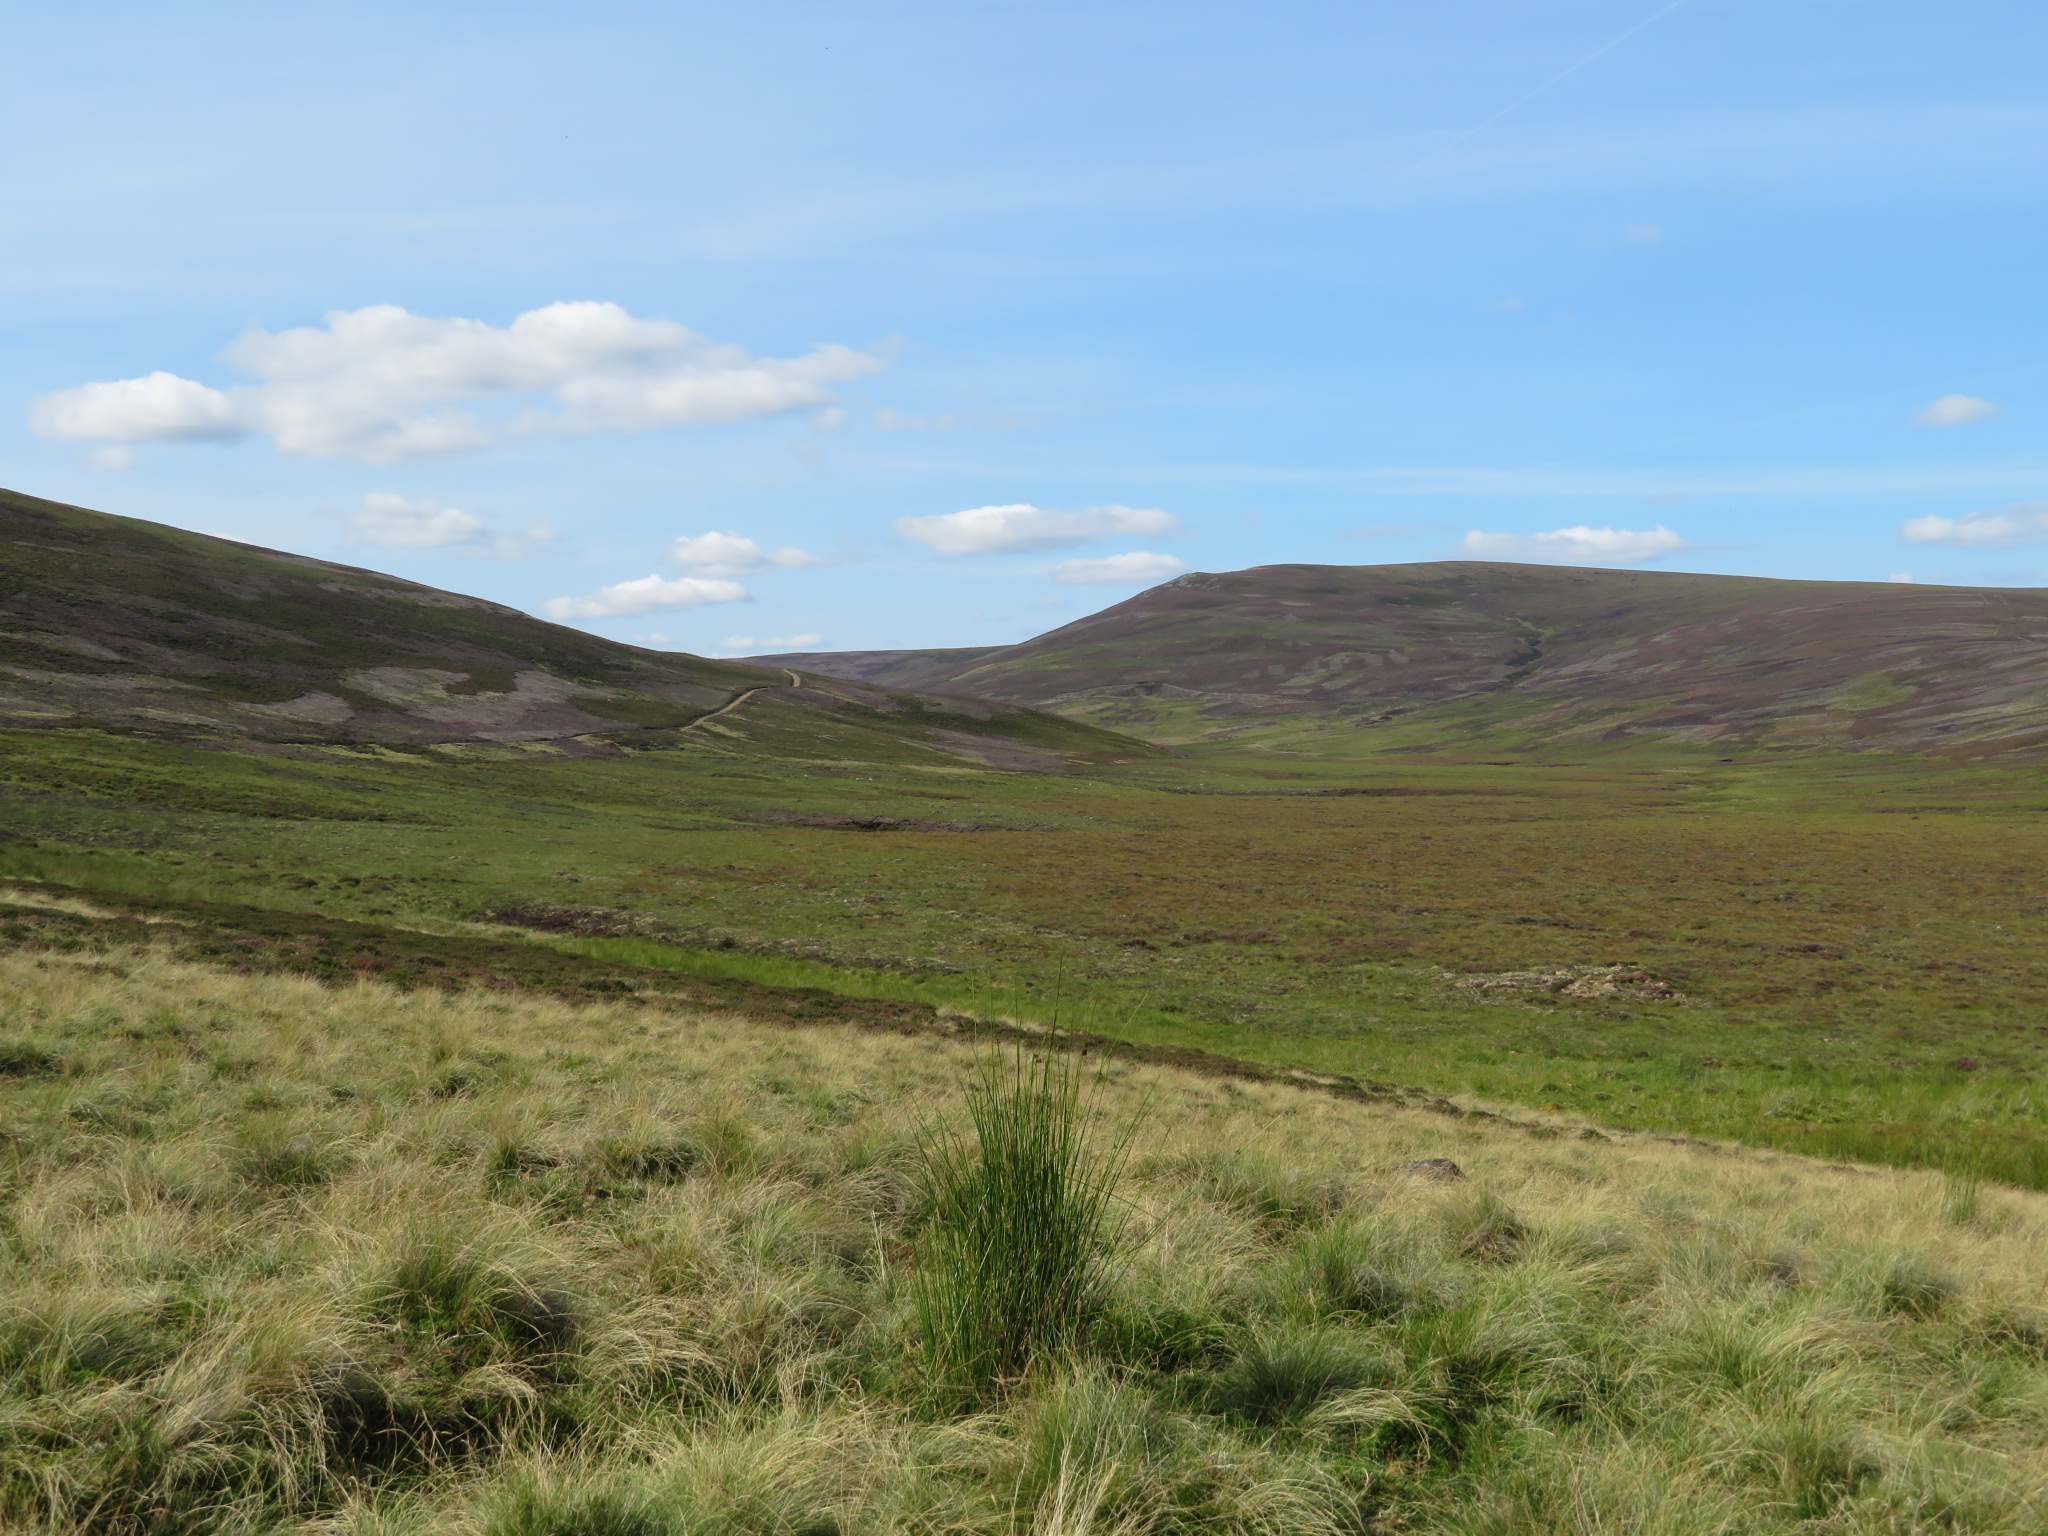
(738, 699)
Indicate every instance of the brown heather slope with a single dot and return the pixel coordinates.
(1451, 651)
(111, 623)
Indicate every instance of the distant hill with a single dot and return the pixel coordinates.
(117, 624)
(1433, 655)
(883, 667)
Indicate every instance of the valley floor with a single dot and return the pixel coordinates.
(1842, 955)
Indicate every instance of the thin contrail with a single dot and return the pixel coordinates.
(1565, 73)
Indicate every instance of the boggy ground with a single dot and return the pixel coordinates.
(1857, 943)
(286, 1257)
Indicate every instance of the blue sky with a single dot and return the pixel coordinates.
(900, 324)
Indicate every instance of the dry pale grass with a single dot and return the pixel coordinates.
(279, 1257)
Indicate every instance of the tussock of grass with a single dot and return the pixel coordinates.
(649, 1273)
(1020, 1227)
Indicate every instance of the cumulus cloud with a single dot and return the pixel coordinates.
(1138, 568)
(382, 384)
(1020, 528)
(710, 560)
(730, 554)
(646, 594)
(1902, 578)
(2024, 522)
(1597, 546)
(399, 522)
(158, 407)
(1954, 411)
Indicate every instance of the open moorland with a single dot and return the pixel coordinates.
(1839, 955)
(459, 1077)
(1811, 948)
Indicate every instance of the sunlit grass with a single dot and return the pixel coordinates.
(284, 1258)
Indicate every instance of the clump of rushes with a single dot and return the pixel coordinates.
(1020, 1227)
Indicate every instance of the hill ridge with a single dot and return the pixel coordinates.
(120, 624)
(1442, 653)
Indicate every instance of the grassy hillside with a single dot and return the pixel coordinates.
(1491, 659)
(115, 624)
(285, 1258)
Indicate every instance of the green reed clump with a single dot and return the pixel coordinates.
(1020, 1228)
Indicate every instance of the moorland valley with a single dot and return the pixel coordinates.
(461, 1074)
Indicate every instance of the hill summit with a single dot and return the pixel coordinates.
(1442, 653)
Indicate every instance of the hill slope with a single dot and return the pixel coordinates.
(120, 624)
(1431, 654)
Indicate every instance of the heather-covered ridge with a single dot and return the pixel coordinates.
(1458, 654)
(114, 623)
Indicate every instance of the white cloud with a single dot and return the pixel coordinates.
(158, 407)
(1903, 578)
(115, 457)
(1138, 568)
(1598, 546)
(1021, 528)
(1955, 411)
(730, 554)
(646, 594)
(399, 523)
(381, 384)
(2024, 522)
(747, 645)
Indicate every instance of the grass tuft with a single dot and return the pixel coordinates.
(1914, 1288)
(1013, 1260)
(1279, 1378)
(1486, 1227)
(474, 1303)
(1338, 1271)
(19, 1058)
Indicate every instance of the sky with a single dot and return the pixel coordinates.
(748, 327)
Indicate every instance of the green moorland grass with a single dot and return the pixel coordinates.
(300, 1260)
(1861, 942)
